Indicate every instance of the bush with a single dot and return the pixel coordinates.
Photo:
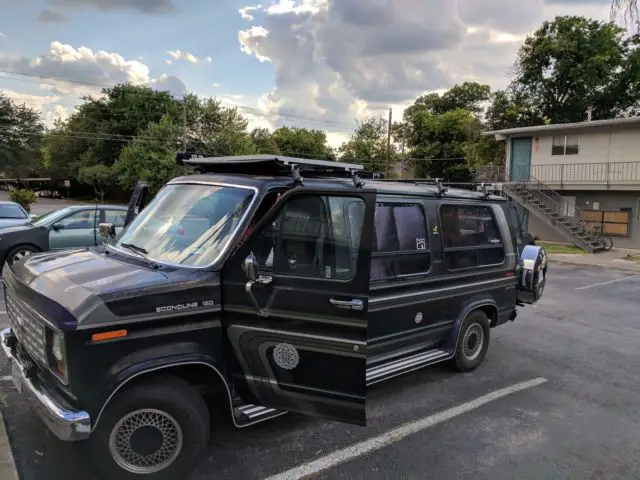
(24, 198)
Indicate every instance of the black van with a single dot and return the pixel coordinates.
(277, 284)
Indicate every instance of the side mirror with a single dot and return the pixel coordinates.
(250, 267)
(58, 226)
(107, 230)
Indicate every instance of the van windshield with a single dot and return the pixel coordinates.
(187, 224)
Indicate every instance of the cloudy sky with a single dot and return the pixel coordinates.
(312, 63)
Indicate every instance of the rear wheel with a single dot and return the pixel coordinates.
(473, 342)
(607, 243)
(155, 431)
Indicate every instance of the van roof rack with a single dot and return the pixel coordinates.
(275, 165)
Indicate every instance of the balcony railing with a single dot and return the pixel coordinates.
(566, 174)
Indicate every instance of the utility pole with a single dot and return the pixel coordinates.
(402, 157)
(388, 146)
(184, 124)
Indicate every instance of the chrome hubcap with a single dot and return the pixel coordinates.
(472, 341)
(146, 441)
(20, 255)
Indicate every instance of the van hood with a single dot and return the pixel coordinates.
(79, 287)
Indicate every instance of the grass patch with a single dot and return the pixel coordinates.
(633, 258)
(559, 248)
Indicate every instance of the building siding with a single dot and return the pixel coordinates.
(608, 201)
(608, 145)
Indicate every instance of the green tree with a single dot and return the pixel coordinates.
(470, 96)
(264, 141)
(151, 157)
(509, 109)
(367, 145)
(303, 143)
(21, 131)
(572, 64)
(99, 176)
(439, 143)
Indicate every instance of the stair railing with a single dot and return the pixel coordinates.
(556, 203)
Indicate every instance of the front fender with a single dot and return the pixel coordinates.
(150, 360)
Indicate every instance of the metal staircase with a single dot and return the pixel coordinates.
(549, 206)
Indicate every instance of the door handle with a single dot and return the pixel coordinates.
(354, 304)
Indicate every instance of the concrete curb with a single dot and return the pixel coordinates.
(8, 470)
(625, 268)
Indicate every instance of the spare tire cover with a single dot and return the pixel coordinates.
(533, 273)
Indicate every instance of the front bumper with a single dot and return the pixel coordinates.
(65, 423)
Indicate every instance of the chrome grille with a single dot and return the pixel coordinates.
(27, 326)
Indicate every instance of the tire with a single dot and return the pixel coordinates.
(607, 243)
(474, 333)
(16, 253)
(184, 414)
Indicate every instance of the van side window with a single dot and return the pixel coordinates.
(471, 236)
(401, 244)
(313, 236)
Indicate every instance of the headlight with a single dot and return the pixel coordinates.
(58, 362)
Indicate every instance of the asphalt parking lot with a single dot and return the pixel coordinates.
(582, 422)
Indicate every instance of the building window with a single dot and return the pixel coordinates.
(471, 237)
(565, 145)
(401, 244)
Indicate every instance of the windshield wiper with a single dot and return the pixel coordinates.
(135, 248)
(140, 251)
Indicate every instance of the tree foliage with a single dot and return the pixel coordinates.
(367, 145)
(21, 129)
(572, 64)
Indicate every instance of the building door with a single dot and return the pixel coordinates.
(569, 206)
(520, 165)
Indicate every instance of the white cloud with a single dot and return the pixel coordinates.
(2, 35)
(251, 42)
(36, 102)
(208, 59)
(215, 84)
(79, 65)
(335, 60)
(245, 12)
(55, 113)
(180, 55)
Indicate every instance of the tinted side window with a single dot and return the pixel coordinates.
(313, 236)
(471, 236)
(401, 243)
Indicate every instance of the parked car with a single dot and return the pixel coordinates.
(273, 284)
(12, 214)
(73, 226)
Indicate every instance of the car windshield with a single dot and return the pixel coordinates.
(187, 224)
(9, 210)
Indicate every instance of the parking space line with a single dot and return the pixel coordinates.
(609, 282)
(399, 433)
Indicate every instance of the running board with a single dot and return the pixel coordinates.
(393, 368)
(249, 414)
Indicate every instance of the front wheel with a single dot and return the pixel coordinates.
(607, 243)
(154, 431)
(473, 342)
(18, 253)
